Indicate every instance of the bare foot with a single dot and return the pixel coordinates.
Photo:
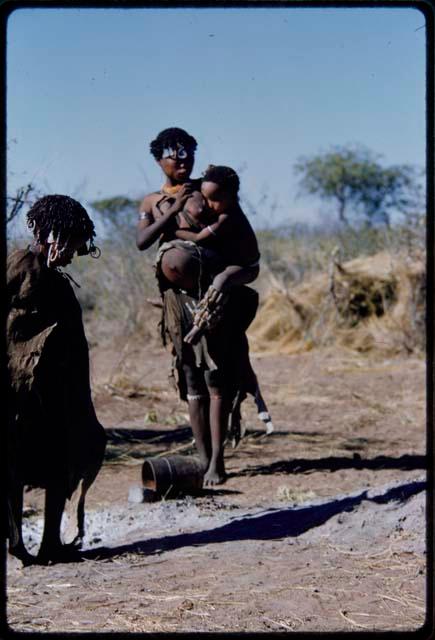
(21, 553)
(59, 553)
(213, 477)
(204, 463)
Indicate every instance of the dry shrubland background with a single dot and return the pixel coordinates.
(359, 283)
(360, 288)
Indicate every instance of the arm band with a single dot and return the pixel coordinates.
(144, 215)
(211, 230)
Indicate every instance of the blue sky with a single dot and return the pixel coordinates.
(258, 87)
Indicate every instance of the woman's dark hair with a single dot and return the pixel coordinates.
(62, 215)
(223, 176)
(170, 138)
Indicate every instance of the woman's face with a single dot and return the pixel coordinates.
(217, 199)
(62, 255)
(177, 164)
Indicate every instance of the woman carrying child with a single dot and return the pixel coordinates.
(217, 252)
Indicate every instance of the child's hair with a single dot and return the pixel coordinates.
(223, 176)
(170, 138)
(61, 215)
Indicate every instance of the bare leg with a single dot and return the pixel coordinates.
(75, 531)
(235, 429)
(219, 413)
(15, 517)
(76, 543)
(199, 421)
(51, 544)
(90, 475)
(179, 268)
(253, 387)
(263, 412)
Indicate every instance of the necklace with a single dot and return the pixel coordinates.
(171, 190)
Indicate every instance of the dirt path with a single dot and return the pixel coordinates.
(320, 526)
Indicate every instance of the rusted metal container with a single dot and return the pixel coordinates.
(172, 475)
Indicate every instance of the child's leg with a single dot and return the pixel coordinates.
(180, 268)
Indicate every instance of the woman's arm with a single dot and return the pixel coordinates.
(149, 228)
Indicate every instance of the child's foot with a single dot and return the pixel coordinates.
(269, 428)
(264, 416)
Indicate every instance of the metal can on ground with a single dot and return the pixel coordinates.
(171, 475)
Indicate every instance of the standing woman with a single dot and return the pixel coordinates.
(182, 275)
(174, 150)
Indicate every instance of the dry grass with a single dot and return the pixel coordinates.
(362, 288)
(365, 304)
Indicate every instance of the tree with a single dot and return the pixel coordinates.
(123, 277)
(118, 213)
(353, 179)
(24, 195)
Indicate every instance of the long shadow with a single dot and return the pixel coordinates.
(179, 434)
(274, 523)
(336, 463)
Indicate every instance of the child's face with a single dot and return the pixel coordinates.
(217, 199)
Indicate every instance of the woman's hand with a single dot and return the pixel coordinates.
(178, 200)
(194, 335)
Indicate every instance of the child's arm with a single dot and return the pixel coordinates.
(217, 228)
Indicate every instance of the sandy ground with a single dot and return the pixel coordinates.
(320, 526)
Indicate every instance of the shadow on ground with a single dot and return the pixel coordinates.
(336, 463)
(182, 433)
(272, 524)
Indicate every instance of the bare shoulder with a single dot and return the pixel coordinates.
(149, 202)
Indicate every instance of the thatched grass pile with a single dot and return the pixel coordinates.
(370, 303)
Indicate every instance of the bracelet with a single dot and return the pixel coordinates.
(144, 215)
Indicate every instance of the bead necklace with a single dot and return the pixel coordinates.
(171, 190)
